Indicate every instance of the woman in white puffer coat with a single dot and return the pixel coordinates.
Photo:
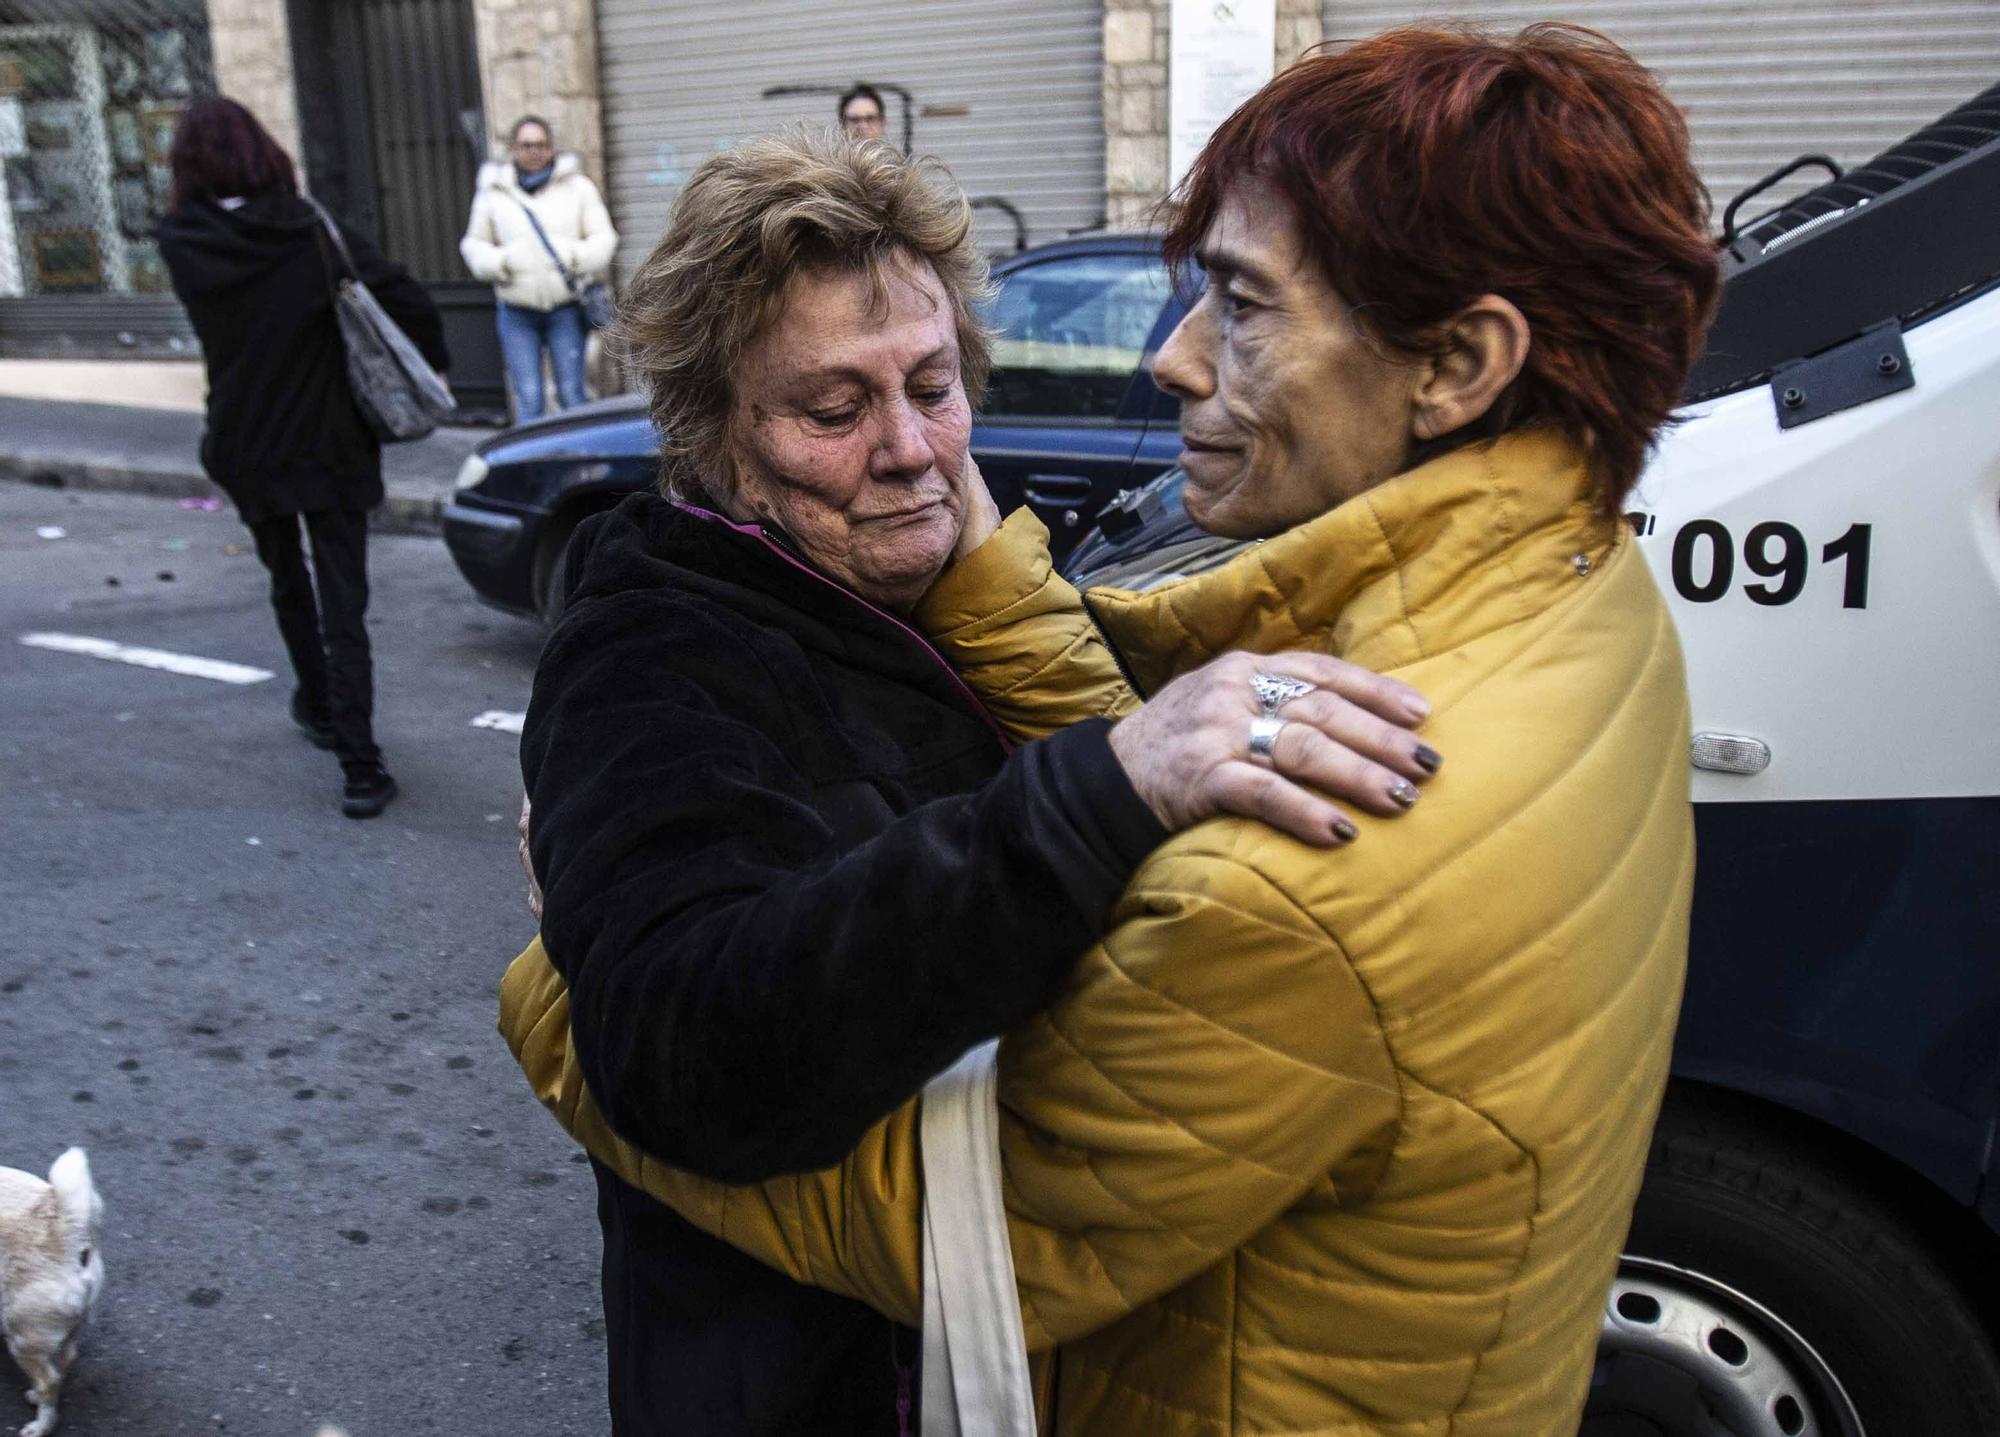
(538, 277)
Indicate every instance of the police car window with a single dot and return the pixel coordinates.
(1071, 333)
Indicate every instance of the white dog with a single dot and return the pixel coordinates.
(50, 1271)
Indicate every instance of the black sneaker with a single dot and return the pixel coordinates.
(317, 727)
(367, 792)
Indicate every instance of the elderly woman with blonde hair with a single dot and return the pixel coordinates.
(792, 865)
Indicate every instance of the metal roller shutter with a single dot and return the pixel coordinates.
(1766, 81)
(1010, 97)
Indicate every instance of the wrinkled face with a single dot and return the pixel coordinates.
(850, 429)
(862, 119)
(1288, 408)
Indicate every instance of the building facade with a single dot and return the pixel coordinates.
(384, 103)
(90, 93)
(1053, 113)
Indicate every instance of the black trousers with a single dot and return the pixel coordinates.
(327, 639)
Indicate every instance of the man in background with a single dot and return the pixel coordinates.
(861, 114)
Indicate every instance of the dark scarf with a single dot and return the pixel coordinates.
(532, 180)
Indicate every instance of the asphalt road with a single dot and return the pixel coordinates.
(329, 1195)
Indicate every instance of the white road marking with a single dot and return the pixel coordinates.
(200, 668)
(500, 719)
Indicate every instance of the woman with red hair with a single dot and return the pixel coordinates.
(1346, 1141)
(251, 260)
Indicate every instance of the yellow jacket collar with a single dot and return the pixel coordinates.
(1480, 538)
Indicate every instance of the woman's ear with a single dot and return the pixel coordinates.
(1483, 350)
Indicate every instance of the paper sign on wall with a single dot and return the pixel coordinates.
(1220, 55)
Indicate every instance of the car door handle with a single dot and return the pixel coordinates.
(1057, 491)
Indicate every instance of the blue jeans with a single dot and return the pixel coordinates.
(523, 335)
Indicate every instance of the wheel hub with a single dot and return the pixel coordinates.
(1682, 1355)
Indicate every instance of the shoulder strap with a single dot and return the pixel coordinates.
(975, 1378)
(334, 230)
(543, 235)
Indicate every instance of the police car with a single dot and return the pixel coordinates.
(1816, 1252)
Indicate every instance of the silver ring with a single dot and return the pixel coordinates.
(1274, 691)
(1263, 734)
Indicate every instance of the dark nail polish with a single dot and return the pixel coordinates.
(1403, 792)
(1428, 759)
(1345, 831)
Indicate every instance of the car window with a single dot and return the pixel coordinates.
(1071, 333)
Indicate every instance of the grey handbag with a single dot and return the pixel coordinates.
(594, 298)
(596, 301)
(396, 389)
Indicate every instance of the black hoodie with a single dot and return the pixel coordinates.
(284, 436)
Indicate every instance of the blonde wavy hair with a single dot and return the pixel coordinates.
(750, 220)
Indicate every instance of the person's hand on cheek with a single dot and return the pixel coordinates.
(982, 515)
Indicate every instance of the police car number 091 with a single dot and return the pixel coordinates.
(1705, 556)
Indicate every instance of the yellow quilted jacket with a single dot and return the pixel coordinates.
(1328, 1142)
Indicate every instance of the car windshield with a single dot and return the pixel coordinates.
(1072, 332)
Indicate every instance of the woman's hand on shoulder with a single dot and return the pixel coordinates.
(1187, 752)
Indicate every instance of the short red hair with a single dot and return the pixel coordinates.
(1429, 166)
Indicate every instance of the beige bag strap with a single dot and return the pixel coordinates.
(975, 1356)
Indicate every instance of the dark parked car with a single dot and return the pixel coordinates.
(1071, 417)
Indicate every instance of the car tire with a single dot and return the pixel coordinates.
(1767, 1291)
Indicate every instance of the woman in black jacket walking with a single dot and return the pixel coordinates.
(252, 262)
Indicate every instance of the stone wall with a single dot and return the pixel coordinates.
(539, 57)
(252, 45)
(1299, 29)
(1135, 110)
(1135, 98)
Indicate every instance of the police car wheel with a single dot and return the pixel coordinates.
(1766, 1292)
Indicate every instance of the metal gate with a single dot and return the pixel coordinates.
(1009, 96)
(393, 132)
(390, 101)
(1763, 83)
